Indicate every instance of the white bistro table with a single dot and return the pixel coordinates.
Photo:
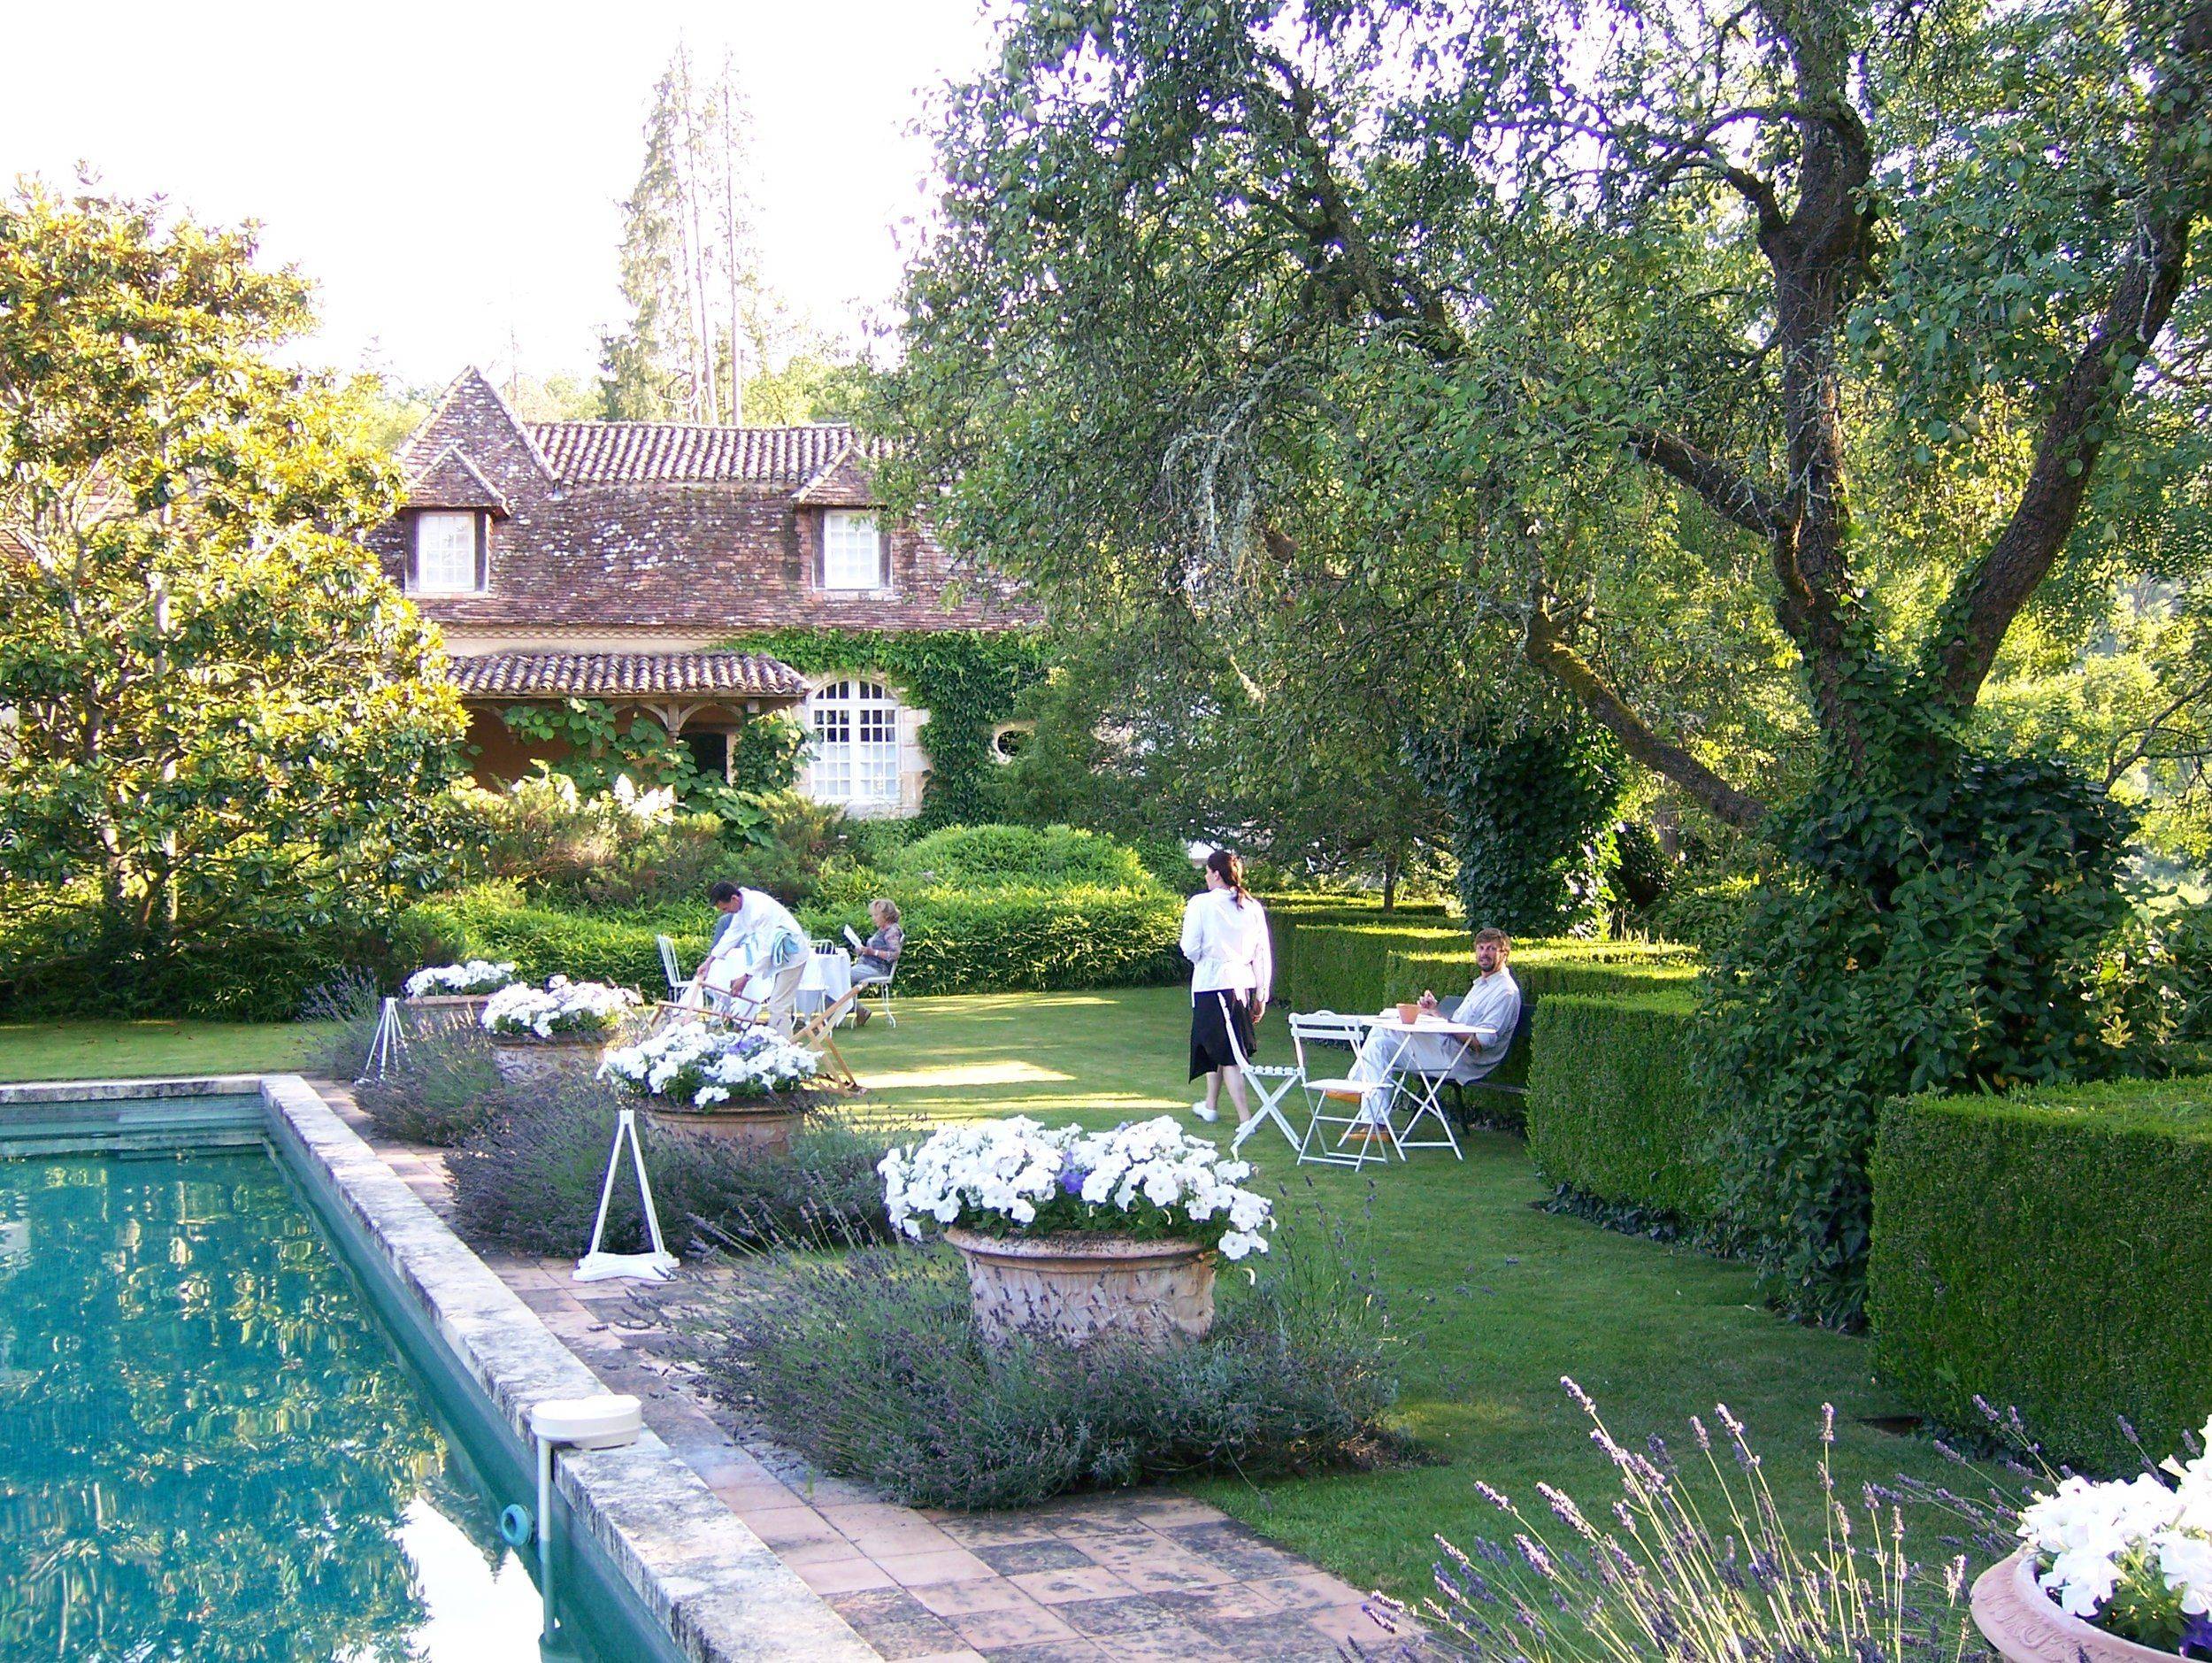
(829, 978)
(1418, 1078)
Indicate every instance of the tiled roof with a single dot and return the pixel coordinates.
(608, 674)
(452, 481)
(659, 453)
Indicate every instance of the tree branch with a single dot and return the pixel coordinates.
(1724, 489)
(2177, 194)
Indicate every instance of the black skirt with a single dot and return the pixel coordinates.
(1214, 1016)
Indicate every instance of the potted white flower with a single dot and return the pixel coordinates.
(560, 1027)
(2107, 1572)
(1080, 1233)
(748, 1086)
(460, 988)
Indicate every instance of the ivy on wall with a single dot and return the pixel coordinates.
(965, 679)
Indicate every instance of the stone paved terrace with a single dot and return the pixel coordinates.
(1144, 1577)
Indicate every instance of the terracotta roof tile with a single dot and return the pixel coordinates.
(659, 453)
(452, 481)
(604, 674)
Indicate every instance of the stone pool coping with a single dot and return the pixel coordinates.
(711, 1583)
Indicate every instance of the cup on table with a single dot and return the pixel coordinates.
(1408, 1013)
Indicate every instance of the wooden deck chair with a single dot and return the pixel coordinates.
(1337, 1100)
(1257, 1079)
(818, 1033)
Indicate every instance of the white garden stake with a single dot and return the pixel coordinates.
(654, 1265)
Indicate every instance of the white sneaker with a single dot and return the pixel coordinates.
(1204, 1113)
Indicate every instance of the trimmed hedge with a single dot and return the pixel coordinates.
(2051, 1253)
(1362, 966)
(1005, 940)
(1612, 1114)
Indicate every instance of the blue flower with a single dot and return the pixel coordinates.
(2196, 1636)
(1072, 1178)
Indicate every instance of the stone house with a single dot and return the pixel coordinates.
(613, 560)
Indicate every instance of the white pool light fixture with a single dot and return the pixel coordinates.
(608, 1420)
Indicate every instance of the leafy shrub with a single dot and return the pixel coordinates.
(1933, 932)
(1705, 912)
(869, 1362)
(1359, 966)
(495, 922)
(528, 1182)
(1036, 939)
(1613, 1117)
(441, 1089)
(2051, 1252)
(992, 857)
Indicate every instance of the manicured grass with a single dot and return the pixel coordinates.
(131, 1050)
(1495, 1300)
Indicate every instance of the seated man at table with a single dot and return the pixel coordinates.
(758, 957)
(1494, 1002)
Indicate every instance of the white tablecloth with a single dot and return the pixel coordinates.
(829, 978)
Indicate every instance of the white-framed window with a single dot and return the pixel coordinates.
(852, 551)
(446, 554)
(855, 757)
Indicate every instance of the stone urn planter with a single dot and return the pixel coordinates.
(1081, 1286)
(2026, 1625)
(520, 1060)
(764, 1123)
(447, 1009)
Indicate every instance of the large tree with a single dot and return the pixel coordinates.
(1747, 373)
(228, 728)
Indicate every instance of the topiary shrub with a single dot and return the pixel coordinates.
(991, 857)
(1614, 1119)
(1934, 930)
(869, 1363)
(2049, 1251)
(528, 1182)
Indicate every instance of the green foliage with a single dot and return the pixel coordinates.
(2049, 1251)
(495, 922)
(597, 750)
(999, 857)
(528, 1182)
(1612, 1112)
(1532, 816)
(966, 679)
(869, 1362)
(1935, 934)
(1357, 967)
(441, 1089)
(228, 748)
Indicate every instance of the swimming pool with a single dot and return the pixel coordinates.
(213, 1450)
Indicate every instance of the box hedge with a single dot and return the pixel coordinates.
(2051, 1253)
(1003, 940)
(1611, 1114)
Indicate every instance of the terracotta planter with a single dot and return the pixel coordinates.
(521, 1060)
(762, 1124)
(2026, 1625)
(1078, 1287)
(446, 1010)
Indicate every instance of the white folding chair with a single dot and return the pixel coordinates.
(1341, 1093)
(1257, 1077)
(670, 967)
(882, 985)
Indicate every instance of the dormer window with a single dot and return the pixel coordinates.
(450, 553)
(852, 552)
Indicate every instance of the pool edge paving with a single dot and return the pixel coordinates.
(713, 1588)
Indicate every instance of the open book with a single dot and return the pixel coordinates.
(853, 936)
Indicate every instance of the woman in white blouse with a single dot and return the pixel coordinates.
(1225, 937)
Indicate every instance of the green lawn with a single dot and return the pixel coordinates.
(1495, 1300)
(130, 1050)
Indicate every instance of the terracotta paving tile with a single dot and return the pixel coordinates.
(965, 1654)
(1311, 1590)
(1162, 1510)
(914, 1536)
(1283, 1637)
(1012, 1557)
(1128, 1615)
(1163, 1570)
(1173, 1643)
(1238, 1547)
(1201, 1607)
(991, 1529)
(851, 1516)
(1051, 1652)
(848, 1573)
(818, 1552)
(953, 1565)
(1092, 1581)
(1340, 1623)
(895, 1624)
(1027, 1624)
(970, 1594)
(754, 1495)
(791, 1527)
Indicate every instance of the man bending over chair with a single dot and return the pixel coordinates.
(1494, 1002)
(758, 957)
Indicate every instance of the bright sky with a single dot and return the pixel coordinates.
(449, 174)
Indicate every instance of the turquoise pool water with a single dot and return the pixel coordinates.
(209, 1449)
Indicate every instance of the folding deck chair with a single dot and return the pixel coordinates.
(817, 1034)
(1257, 1076)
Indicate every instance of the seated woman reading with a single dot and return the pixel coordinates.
(878, 956)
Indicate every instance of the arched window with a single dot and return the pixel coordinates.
(856, 753)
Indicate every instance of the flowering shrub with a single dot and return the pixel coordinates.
(560, 1007)
(699, 1067)
(479, 975)
(1148, 1179)
(2132, 1556)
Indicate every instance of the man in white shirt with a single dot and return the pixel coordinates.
(1493, 1003)
(758, 956)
